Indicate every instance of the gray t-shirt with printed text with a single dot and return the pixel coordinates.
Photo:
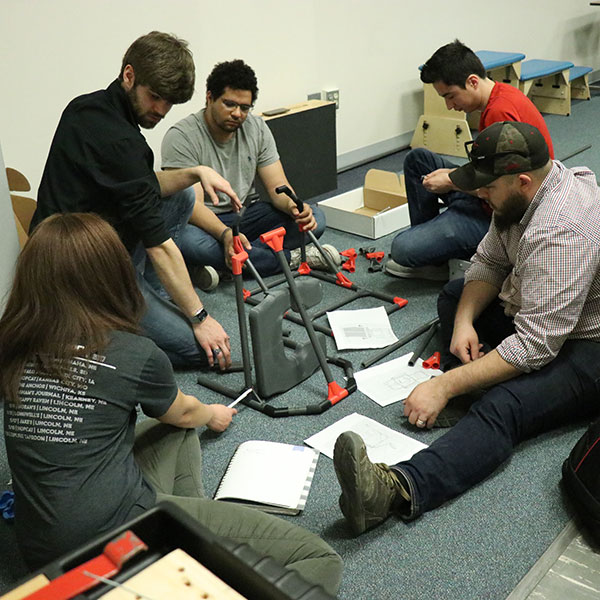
(70, 448)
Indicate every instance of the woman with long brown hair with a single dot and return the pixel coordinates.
(73, 371)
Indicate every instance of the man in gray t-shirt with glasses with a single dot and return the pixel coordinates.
(227, 137)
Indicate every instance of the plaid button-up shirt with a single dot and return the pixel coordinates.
(547, 268)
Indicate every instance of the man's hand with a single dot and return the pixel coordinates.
(214, 341)
(465, 343)
(212, 183)
(438, 181)
(228, 249)
(305, 219)
(425, 403)
(222, 416)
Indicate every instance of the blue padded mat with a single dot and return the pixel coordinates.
(576, 72)
(534, 68)
(492, 59)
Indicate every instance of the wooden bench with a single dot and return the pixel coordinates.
(446, 131)
(499, 66)
(580, 85)
(547, 83)
(502, 66)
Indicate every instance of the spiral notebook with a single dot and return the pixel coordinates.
(270, 476)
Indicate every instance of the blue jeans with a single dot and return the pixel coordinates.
(200, 248)
(434, 237)
(566, 389)
(163, 321)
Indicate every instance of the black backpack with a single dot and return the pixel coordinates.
(581, 478)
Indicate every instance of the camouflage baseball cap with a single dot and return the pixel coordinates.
(501, 149)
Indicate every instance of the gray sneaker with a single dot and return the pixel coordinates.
(432, 272)
(204, 278)
(314, 258)
(370, 491)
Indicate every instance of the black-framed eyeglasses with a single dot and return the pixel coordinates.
(230, 105)
(478, 159)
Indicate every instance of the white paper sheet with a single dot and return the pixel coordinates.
(383, 444)
(392, 381)
(362, 328)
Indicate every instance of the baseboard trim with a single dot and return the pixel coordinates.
(358, 157)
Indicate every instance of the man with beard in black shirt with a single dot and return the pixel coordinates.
(100, 162)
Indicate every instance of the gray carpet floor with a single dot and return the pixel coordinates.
(477, 546)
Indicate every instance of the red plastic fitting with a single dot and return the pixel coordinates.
(237, 262)
(335, 392)
(433, 362)
(237, 244)
(274, 239)
(350, 265)
(304, 269)
(400, 301)
(378, 256)
(343, 280)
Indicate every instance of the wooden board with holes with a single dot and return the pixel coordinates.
(176, 575)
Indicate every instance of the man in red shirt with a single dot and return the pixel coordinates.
(423, 250)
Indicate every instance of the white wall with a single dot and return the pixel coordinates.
(54, 50)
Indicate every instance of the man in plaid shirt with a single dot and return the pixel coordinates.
(532, 295)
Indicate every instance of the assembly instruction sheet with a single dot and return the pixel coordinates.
(393, 380)
(361, 329)
(383, 444)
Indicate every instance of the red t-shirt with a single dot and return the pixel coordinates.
(507, 103)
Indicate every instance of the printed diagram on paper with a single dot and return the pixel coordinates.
(383, 444)
(361, 329)
(364, 332)
(394, 380)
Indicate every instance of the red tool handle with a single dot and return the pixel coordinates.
(109, 563)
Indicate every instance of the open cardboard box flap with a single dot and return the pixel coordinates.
(375, 210)
(383, 190)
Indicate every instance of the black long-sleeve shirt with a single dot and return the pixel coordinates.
(100, 162)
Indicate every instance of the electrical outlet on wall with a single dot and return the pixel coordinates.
(331, 95)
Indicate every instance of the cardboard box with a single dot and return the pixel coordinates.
(372, 211)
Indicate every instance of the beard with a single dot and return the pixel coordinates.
(228, 125)
(143, 119)
(512, 211)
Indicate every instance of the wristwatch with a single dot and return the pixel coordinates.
(199, 317)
